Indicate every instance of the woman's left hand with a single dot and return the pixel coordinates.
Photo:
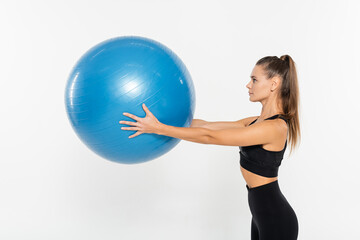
(148, 124)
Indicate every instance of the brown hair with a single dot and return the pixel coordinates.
(288, 93)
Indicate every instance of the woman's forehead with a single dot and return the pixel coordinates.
(257, 71)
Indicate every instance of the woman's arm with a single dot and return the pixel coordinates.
(238, 136)
(261, 133)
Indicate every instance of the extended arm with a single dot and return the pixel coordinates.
(200, 131)
(232, 136)
(261, 133)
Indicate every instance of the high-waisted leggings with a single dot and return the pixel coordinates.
(272, 216)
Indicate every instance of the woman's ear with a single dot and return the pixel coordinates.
(275, 83)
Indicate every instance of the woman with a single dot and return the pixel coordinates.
(262, 141)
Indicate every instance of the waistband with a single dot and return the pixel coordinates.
(264, 186)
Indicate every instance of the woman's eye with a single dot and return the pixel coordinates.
(254, 80)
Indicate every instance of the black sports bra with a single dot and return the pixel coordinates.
(260, 161)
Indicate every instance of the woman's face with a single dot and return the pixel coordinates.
(259, 86)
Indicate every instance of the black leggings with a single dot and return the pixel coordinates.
(272, 216)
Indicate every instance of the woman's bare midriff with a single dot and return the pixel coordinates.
(254, 180)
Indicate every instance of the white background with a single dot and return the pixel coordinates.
(53, 187)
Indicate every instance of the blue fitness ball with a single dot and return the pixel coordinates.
(117, 76)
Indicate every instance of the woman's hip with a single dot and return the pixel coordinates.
(272, 214)
(268, 201)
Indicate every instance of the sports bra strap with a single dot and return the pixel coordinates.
(272, 117)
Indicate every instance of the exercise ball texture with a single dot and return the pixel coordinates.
(117, 76)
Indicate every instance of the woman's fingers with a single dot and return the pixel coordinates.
(131, 128)
(136, 134)
(129, 123)
(131, 116)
